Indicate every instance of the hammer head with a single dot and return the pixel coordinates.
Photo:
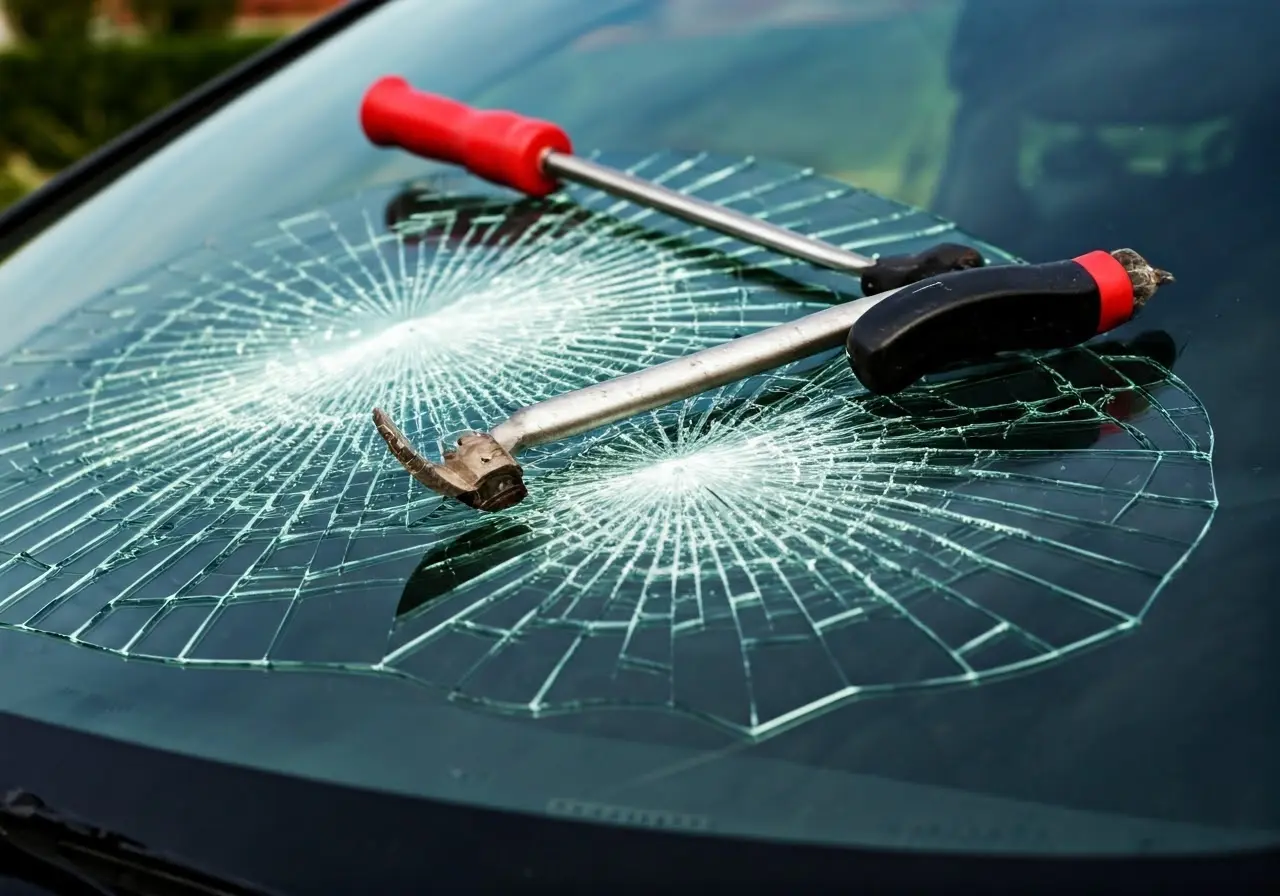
(479, 472)
(499, 480)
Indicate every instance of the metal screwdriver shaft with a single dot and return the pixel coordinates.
(705, 214)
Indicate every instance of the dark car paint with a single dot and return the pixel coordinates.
(305, 837)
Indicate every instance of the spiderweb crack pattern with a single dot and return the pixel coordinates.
(189, 472)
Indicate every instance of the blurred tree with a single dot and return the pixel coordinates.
(11, 190)
(184, 16)
(49, 21)
(63, 95)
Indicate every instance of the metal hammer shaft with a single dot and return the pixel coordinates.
(634, 393)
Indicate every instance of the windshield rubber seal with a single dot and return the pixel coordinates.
(79, 181)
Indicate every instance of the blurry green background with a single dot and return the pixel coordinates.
(75, 73)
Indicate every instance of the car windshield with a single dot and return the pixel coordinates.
(1019, 607)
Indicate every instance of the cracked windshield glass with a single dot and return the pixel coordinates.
(1021, 605)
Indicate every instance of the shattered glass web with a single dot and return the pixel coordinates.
(189, 471)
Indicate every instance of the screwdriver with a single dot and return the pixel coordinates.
(534, 156)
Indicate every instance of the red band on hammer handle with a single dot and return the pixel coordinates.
(501, 147)
(1115, 289)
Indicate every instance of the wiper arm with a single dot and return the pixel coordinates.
(59, 849)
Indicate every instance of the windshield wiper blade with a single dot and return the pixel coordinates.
(61, 847)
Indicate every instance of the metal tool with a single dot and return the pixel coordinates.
(921, 314)
(483, 472)
(892, 339)
(533, 156)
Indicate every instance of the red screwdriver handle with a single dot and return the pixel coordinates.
(501, 147)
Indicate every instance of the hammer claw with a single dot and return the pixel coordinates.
(480, 473)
